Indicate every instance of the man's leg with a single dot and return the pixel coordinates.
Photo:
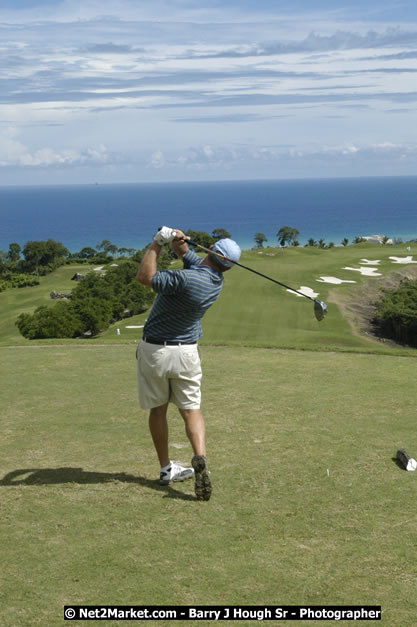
(195, 428)
(158, 426)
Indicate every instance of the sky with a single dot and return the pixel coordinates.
(132, 91)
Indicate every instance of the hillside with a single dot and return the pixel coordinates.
(253, 311)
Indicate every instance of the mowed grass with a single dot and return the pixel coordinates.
(251, 311)
(15, 301)
(265, 314)
(308, 506)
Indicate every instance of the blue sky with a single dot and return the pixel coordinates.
(186, 90)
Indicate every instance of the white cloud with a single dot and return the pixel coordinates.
(15, 153)
(157, 159)
(202, 86)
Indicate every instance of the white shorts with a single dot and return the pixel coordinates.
(169, 374)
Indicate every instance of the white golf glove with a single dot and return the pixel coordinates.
(165, 235)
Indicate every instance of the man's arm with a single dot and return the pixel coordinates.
(148, 265)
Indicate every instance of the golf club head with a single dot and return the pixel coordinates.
(320, 309)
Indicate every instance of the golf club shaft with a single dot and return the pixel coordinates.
(236, 263)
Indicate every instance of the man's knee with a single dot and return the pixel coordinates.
(189, 414)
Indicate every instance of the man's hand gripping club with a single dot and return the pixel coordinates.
(165, 235)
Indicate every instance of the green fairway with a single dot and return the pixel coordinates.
(308, 506)
(25, 300)
(251, 311)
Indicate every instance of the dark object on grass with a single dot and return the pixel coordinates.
(406, 460)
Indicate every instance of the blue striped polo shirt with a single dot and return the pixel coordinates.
(183, 298)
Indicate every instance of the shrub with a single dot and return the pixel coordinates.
(23, 280)
(396, 314)
(96, 302)
(61, 320)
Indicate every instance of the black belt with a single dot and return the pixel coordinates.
(153, 340)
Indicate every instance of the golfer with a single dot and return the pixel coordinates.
(169, 367)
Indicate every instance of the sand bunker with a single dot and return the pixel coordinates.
(403, 259)
(333, 279)
(134, 327)
(99, 268)
(370, 262)
(365, 271)
(307, 291)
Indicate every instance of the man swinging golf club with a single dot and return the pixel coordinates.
(169, 367)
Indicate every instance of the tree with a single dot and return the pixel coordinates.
(164, 259)
(14, 252)
(359, 240)
(94, 313)
(137, 298)
(104, 244)
(321, 243)
(287, 234)
(200, 237)
(312, 242)
(96, 302)
(260, 238)
(3, 259)
(112, 249)
(125, 251)
(44, 253)
(34, 253)
(87, 252)
(220, 234)
(345, 241)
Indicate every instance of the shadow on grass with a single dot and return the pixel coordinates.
(55, 476)
(398, 463)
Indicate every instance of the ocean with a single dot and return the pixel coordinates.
(128, 215)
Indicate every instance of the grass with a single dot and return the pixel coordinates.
(308, 505)
(250, 310)
(25, 300)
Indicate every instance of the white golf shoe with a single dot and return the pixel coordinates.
(174, 472)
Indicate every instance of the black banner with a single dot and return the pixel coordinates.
(223, 612)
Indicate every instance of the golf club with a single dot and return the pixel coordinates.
(320, 308)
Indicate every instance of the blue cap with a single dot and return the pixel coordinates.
(229, 249)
